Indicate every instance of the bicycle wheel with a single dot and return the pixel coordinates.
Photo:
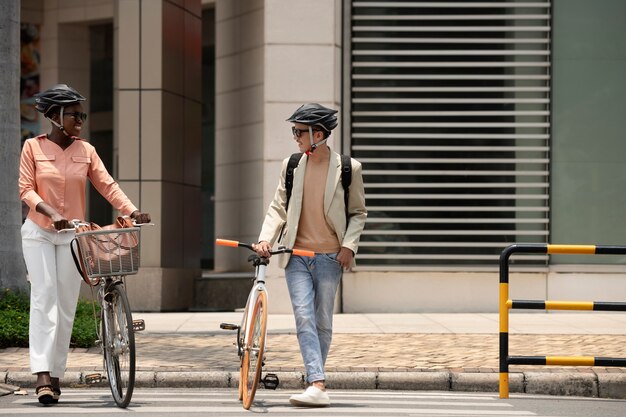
(119, 345)
(254, 350)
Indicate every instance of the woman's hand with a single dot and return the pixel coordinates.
(61, 223)
(140, 217)
(262, 248)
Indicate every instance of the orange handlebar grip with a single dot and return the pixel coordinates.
(224, 242)
(302, 252)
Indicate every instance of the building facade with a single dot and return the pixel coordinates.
(479, 125)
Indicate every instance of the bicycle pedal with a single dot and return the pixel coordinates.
(139, 325)
(228, 326)
(94, 378)
(270, 381)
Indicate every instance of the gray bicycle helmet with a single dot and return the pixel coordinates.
(60, 95)
(313, 114)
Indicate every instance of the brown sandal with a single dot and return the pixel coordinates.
(45, 395)
(56, 395)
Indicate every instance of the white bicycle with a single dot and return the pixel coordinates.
(252, 331)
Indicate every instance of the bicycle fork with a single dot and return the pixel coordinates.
(138, 325)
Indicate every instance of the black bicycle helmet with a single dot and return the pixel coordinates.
(314, 114)
(60, 95)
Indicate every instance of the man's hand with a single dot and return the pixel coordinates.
(262, 248)
(344, 257)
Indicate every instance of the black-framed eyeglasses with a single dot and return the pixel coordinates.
(77, 115)
(298, 132)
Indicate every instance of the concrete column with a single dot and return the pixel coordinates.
(271, 57)
(157, 134)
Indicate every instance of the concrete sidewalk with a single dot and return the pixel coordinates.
(371, 351)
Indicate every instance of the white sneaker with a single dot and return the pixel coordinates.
(312, 397)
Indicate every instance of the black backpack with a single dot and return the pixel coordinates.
(346, 177)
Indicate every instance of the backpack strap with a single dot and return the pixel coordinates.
(294, 160)
(346, 180)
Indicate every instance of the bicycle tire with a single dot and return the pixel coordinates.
(119, 345)
(254, 350)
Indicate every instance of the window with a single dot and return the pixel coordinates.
(449, 112)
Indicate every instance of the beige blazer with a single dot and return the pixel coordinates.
(282, 226)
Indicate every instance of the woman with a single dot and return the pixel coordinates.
(53, 171)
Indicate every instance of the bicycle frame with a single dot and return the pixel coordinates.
(252, 345)
(257, 288)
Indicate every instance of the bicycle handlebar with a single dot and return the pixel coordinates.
(281, 249)
(76, 223)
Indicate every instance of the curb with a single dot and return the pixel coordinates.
(594, 385)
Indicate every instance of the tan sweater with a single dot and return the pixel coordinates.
(314, 233)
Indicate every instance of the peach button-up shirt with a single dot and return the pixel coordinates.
(58, 177)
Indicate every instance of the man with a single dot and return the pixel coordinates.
(317, 218)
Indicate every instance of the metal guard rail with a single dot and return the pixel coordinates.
(506, 304)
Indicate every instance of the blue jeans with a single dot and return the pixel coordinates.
(312, 284)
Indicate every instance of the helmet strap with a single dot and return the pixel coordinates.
(60, 126)
(313, 144)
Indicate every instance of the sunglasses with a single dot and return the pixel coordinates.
(77, 115)
(298, 132)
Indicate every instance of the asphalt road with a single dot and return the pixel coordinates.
(223, 402)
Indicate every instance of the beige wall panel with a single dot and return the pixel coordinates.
(144, 289)
(192, 139)
(161, 289)
(587, 287)
(227, 213)
(247, 6)
(152, 236)
(250, 173)
(173, 60)
(152, 65)
(300, 21)
(227, 37)
(225, 9)
(151, 135)
(31, 11)
(227, 74)
(251, 30)
(72, 13)
(127, 120)
(228, 177)
(131, 189)
(385, 292)
(49, 57)
(127, 44)
(527, 286)
(252, 217)
(251, 106)
(227, 143)
(227, 110)
(193, 56)
(271, 177)
(251, 142)
(252, 67)
(173, 138)
(338, 79)
(278, 130)
(278, 291)
(290, 79)
(100, 11)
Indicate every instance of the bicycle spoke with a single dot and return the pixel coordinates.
(119, 348)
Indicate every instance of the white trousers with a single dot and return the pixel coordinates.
(54, 288)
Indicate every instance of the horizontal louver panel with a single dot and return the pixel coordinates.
(450, 117)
